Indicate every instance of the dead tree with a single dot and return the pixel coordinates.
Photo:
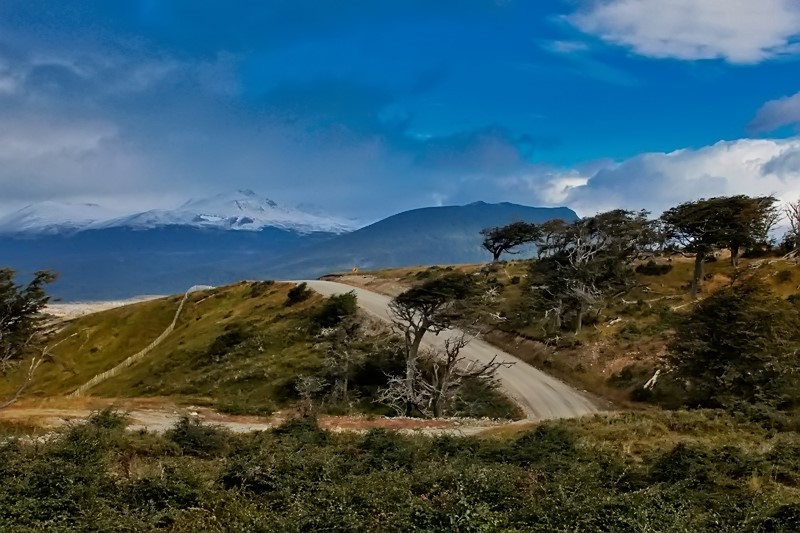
(792, 213)
(448, 369)
(308, 387)
(36, 360)
(344, 356)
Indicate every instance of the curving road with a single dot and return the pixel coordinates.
(539, 395)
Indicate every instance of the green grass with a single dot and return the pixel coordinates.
(273, 346)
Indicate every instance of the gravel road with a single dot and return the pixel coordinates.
(539, 395)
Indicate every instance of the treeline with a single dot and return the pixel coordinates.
(738, 348)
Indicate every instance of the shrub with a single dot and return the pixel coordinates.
(226, 342)
(173, 487)
(108, 418)
(297, 294)
(335, 309)
(783, 276)
(681, 463)
(738, 345)
(259, 288)
(304, 431)
(651, 268)
(630, 331)
(195, 438)
(387, 449)
(515, 280)
(549, 443)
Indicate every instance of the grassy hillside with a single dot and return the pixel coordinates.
(233, 345)
(619, 349)
(240, 349)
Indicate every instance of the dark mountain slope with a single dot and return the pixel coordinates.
(428, 236)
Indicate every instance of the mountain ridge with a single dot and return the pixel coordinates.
(242, 210)
(123, 261)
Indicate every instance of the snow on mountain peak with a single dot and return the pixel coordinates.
(240, 210)
(51, 217)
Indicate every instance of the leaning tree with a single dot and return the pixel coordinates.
(585, 263)
(732, 222)
(22, 326)
(434, 376)
(431, 307)
(505, 239)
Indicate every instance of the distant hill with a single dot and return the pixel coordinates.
(121, 261)
(427, 236)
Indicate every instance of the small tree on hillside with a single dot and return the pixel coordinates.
(585, 263)
(740, 344)
(498, 241)
(727, 221)
(430, 307)
(792, 213)
(22, 328)
(749, 222)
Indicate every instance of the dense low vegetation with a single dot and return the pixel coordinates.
(679, 471)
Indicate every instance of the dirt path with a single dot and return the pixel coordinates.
(541, 396)
(160, 419)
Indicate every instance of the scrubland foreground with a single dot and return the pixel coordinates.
(669, 471)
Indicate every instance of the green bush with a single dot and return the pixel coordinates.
(195, 438)
(335, 309)
(739, 345)
(233, 336)
(259, 288)
(651, 268)
(297, 294)
(783, 276)
(108, 418)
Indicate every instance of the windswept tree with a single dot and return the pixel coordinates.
(585, 263)
(749, 222)
(731, 222)
(431, 307)
(22, 328)
(505, 239)
(792, 213)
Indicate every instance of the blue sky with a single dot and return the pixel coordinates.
(367, 107)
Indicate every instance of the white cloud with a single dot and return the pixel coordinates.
(738, 31)
(551, 187)
(565, 47)
(777, 113)
(657, 181)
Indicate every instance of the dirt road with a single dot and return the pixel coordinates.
(539, 395)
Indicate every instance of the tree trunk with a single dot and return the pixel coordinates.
(734, 255)
(579, 318)
(411, 370)
(496, 255)
(558, 314)
(438, 408)
(699, 263)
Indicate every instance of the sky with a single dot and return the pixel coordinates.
(363, 108)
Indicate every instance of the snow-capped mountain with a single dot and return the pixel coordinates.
(54, 217)
(242, 210)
